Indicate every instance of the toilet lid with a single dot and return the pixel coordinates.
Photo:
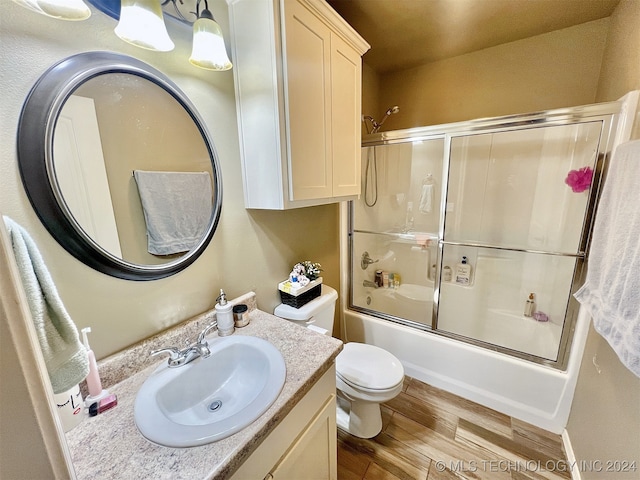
(369, 367)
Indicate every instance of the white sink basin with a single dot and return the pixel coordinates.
(210, 398)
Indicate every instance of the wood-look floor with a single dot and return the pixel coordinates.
(431, 434)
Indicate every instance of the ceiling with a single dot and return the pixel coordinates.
(408, 33)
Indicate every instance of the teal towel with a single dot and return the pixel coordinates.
(66, 358)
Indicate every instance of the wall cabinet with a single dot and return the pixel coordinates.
(298, 80)
(304, 444)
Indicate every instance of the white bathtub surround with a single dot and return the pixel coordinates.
(110, 446)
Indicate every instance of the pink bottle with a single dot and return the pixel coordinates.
(93, 378)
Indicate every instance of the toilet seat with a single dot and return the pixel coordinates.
(369, 368)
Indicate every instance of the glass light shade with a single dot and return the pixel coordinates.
(65, 9)
(62, 9)
(142, 24)
(208, 50)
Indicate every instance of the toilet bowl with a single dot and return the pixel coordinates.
(366, 375)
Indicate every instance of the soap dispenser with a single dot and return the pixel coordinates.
(224, 315)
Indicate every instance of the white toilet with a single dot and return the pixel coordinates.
(366, 375)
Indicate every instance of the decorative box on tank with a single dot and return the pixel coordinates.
(303, 285)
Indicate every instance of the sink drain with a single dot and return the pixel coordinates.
(215, 406)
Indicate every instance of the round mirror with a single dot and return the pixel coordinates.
(118, 166)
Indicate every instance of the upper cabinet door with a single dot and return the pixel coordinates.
(308, 81)
(346, 98)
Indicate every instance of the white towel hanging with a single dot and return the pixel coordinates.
(611, 292)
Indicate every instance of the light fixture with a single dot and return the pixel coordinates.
(142, 24)
(62, 9)
(208, 51)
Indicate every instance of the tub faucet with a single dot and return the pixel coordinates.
(369, 283)
(200, 348)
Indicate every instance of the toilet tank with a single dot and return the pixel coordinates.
(318, 312)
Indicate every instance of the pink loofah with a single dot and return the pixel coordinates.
(541, 316)
(579, 180)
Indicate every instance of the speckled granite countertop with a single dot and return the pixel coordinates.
(109, 446)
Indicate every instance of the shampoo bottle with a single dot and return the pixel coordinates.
(224, 315)
(463, 272)
(530, 306)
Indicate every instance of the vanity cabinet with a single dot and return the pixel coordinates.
(304, 444)
(298, 81)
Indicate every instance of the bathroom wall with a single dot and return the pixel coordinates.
(604, 424)
(370, 96)
(251, 250)
(553, 70)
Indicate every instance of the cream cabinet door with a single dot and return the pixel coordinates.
(308, 60)
(346, 103)
(313, 455)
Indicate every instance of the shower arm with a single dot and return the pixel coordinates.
(375, 126)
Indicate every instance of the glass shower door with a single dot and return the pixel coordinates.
(394, 242)
(512, 214)
(479, 230)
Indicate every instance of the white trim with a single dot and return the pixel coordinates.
(571, 456)
(37, 407)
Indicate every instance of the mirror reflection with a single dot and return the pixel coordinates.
(119, 166)
(116, 124)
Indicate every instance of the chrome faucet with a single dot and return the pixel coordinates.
(198, 349)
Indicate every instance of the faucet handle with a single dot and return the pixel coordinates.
(366, 260)
(174, 353)
(207, 329)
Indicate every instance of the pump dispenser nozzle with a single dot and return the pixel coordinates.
(85, 340)
(222, 299)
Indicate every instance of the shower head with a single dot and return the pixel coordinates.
(376, 125)
(394, 109)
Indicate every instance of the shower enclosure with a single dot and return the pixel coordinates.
(478, 231)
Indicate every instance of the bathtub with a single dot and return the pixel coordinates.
(531, 392)
(507, 329)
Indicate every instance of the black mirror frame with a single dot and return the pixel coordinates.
(35, 160)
